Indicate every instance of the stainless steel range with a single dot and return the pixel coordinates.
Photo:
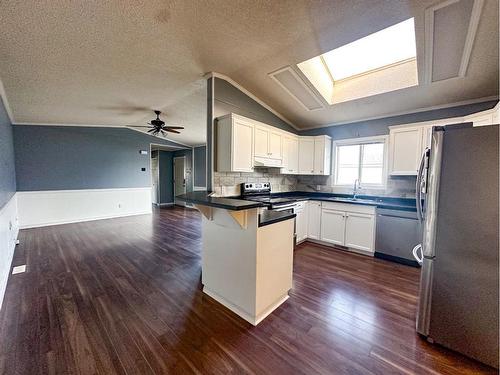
(261, 192)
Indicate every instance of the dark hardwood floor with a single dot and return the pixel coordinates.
(124, 296)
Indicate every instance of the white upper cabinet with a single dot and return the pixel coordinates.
(322, 155)
(314, 220)
(268, 142)
(290, 155)
(235, 144)
(306, 155)
(261, 148)
(405, 150)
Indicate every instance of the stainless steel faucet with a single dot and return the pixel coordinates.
(356, 187)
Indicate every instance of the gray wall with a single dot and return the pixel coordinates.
(229, 99)
(65, 158)
(200, 166)
(166, 176)
(188, 153)
(7, 166)
(380, 126)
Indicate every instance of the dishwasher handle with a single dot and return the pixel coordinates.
(415, 251)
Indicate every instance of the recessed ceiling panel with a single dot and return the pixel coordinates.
(450, 30)
(291, 82)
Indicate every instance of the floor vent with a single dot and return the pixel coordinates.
(19, 269)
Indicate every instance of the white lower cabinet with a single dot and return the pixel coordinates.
(314, 220)
(359, 231)
(348, 225)
(301, 221)
(332, 226)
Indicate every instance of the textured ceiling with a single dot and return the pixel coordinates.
(99, 62)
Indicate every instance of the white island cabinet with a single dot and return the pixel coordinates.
(247, 254)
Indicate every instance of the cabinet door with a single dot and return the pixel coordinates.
(332, 226)
(290, 155)
(319, 155)
(359, 231)
(261, 147)
(306, 155)
(301, 224)
(406, 147)
(242, 146)
(275, 145)
(314, 220)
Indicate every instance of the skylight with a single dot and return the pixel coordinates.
(392, 49)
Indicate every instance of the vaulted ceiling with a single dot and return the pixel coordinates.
(108, 62)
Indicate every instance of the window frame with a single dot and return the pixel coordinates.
(384, 139)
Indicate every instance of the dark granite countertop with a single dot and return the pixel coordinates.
(402, 204)
(268, 217)
(204, 198)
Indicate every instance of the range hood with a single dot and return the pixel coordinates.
(267, 162)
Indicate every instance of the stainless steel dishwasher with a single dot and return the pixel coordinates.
(396, 235)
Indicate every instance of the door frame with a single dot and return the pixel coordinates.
(176, 201)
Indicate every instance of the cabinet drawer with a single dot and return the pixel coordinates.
(357, 208)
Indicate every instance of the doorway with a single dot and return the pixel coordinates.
(179, 178)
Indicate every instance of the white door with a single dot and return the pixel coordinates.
(359, 231)
(179, 178)
(154, 180)
(314, 220)
(290, 155)
(301, 224)
(306, 155)
(332, 226)
(261, 147)
(275, 145)
(406, 149)
(242, 146)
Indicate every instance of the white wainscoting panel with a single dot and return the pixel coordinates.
(51, 207)
(8, 235)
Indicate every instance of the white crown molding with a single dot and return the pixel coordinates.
(468, 44)
(248, 93)
(418, 110)
(3, 95)
(183, 145)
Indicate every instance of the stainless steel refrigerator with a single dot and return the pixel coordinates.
(458, 204)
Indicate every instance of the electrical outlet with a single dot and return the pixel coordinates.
(119, 205)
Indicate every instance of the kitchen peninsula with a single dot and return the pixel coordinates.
(247, 254)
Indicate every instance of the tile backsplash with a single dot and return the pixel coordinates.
(228, 184)
(401, 186)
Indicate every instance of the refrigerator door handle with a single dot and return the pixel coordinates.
(418, 186)
(418, 258)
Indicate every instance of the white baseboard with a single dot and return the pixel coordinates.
(9, 230)
(53, 207)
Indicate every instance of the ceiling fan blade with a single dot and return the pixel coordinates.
(171, 131)
(139, 126)
(163, 133)
(151, 130)
(173, 127)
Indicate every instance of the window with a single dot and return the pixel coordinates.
(380, 62)
(362, 159)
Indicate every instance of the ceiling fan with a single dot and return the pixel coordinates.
(158, 126)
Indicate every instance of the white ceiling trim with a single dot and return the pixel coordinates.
(469, 39)
(248, 93)
(3, 95)
(423, 109)
(183, 145)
